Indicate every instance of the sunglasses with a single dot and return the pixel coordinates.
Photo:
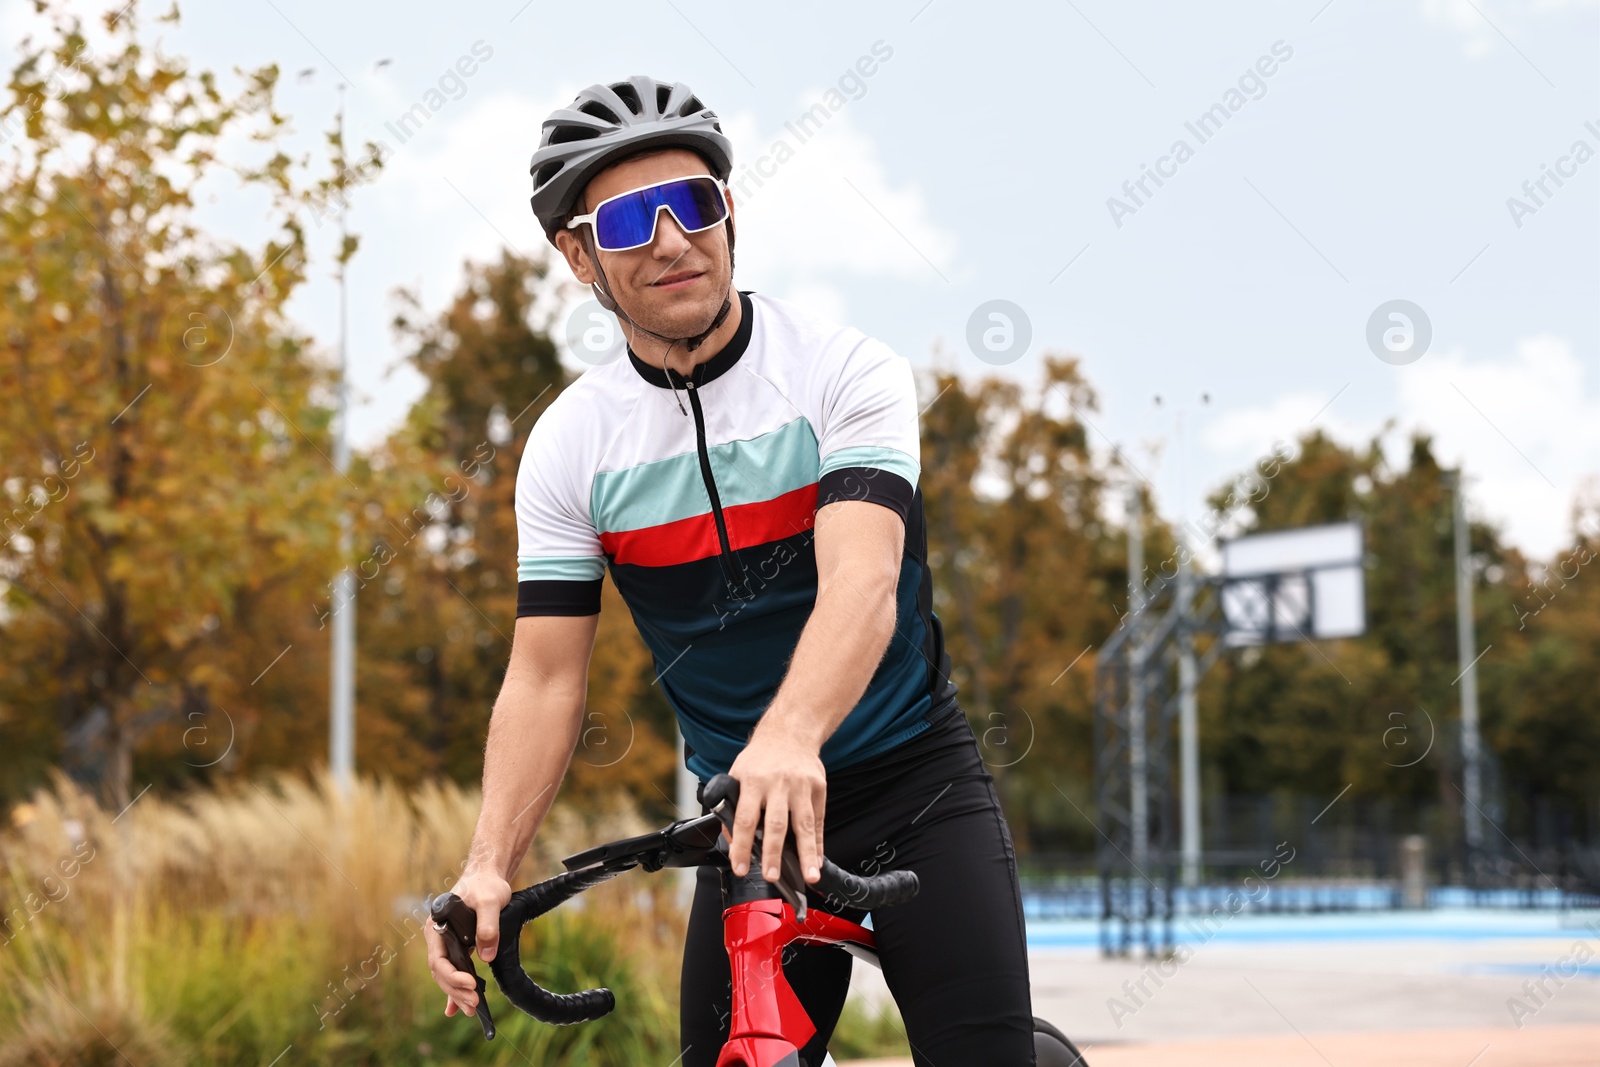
(628, 220)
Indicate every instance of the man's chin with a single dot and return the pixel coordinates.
(681, 317)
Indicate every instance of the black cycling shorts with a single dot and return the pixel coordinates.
(955, 957)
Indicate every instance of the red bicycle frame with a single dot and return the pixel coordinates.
(769, 1026)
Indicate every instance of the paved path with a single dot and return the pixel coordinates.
(1535, 1046)
(1331, 974)
(1418, 989)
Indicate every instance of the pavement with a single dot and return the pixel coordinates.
(1444, 988)
(1549, 1046)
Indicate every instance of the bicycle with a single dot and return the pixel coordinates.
(768, 1025)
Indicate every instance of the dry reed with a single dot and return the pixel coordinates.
(280, 919)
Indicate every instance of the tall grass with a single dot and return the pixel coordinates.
(278, 923)
(281, 920)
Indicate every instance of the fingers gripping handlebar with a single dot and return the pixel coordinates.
(864, 892)
(692, 842)
(451, 916)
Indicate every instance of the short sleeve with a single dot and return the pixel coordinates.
(869, 444)
(560, 563)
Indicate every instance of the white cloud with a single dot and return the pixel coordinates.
(1527, 427)
(830, 207)
(1470, 18)
(1249, 433)
(463, 180)
(1463, 18)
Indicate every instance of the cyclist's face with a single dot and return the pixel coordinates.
(674, 284)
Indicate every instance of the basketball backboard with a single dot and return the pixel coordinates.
(1294, 585)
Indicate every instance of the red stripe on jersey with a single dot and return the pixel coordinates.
(772, 520)
(687, 540)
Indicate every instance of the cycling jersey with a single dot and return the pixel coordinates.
(699, 496)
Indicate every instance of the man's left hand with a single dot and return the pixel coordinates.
(783, 776)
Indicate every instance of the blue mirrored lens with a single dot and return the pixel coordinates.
(630, 220)
(625, 222)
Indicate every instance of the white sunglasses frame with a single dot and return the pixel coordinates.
(722, 188)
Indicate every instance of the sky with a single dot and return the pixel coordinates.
(1214, 207)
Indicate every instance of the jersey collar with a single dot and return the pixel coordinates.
(712, 368)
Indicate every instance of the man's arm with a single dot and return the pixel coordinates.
(858, 546)
(532, 735)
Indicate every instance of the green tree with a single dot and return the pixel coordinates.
(1546, 729)
(1317, 716)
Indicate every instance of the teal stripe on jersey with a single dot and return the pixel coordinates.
(887, 459)
(560, 568)
(667, 490)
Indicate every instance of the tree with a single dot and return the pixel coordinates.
(1546, 729)
(160, 432)
(444, 535)
(1318, 716)
(1026, 576)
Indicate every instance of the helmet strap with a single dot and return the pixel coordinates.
(602, 294)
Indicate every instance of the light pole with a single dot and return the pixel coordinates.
(342, 653)
(1188, 675)
(1466, 642)
(688, 808)
(1138, 754)
(342, 675)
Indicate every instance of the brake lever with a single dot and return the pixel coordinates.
(791, 884)
(457, 925)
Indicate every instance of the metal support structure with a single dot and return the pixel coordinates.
(1139, 697)
(1275, 586)
(1466, 651)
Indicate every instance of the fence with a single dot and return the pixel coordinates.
(1348, 857)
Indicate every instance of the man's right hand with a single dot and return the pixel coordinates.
(486, 893)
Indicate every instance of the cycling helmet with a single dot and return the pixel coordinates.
(608, 122)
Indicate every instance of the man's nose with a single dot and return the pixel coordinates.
(670, 240)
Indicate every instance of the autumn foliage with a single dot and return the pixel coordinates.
(173, 516)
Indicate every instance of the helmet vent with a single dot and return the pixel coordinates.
(692, 106)
(628, 95)
(600, 111)
(546, 172)
(563, 134)
(663, 94)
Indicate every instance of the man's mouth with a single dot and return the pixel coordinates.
(676, 280)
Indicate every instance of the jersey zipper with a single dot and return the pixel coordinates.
(730, 568)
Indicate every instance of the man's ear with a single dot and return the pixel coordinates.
(577, 256)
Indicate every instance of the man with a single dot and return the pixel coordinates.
(748, 477)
